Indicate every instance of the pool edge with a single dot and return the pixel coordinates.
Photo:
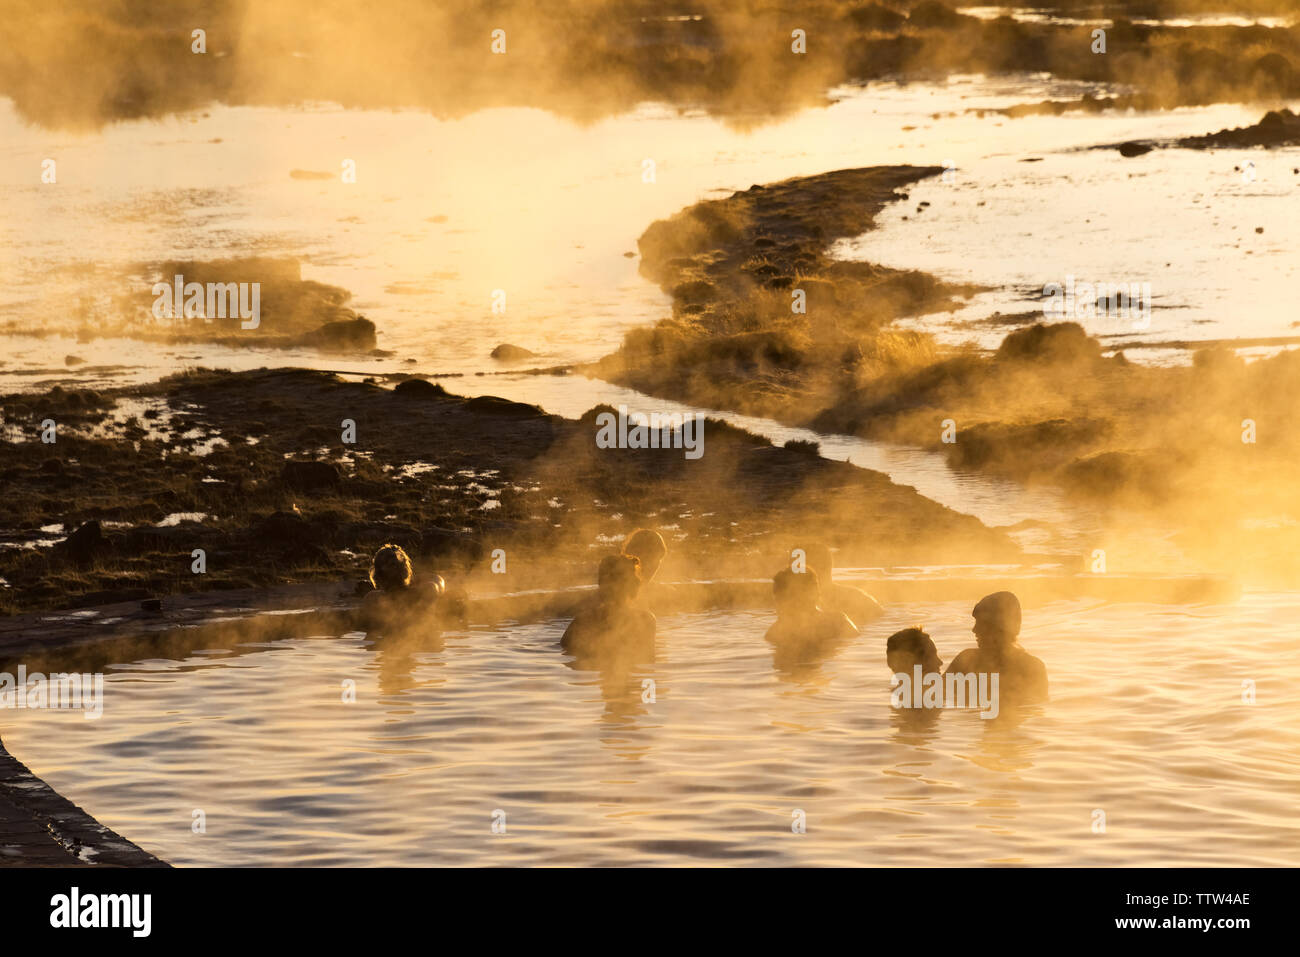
(41, 828)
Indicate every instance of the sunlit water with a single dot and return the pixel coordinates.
(444, 212)
(1147, 723)
(1212, 235)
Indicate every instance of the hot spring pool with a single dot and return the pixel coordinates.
(1147, 724)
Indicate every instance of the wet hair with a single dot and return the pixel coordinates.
(788, 583)
(912, 641)
(619, 576)
(1003, 608)
(390, 568)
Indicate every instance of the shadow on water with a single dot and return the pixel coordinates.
(397, 656)
(802, 665)
(628, 684)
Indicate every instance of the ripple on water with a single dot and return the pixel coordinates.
(1147, 724)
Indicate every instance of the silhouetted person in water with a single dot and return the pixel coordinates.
(803, 626)
(1022, 677)
(613, 623)
(903, 652)
(649, 548)
(854, 602)
(396, 599)
(911, 647)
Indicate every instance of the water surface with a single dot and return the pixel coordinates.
(445, 212)
(1147, 723)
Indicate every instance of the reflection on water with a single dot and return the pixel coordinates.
(444, 212)
(1147, 723)
(1212, 232)
(397, 659)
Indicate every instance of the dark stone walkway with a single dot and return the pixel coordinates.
(39, 828)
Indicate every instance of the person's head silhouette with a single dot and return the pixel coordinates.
(796, 593)
(911, 647)
(997, 621)
(618, 579)
(649, 547)
(390, 569)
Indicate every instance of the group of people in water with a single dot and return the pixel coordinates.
(813, 614)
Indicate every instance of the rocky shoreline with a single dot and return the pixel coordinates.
(256, 471)
(765, 322)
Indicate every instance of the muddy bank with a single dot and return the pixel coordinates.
(282, 476)
(1205, 448)
(593, 58)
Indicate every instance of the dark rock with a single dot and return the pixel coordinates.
(697, 291)
(145, 538)
(592, 415)
(1276, 128)
(86, 544)
(310, 476)
(1054, 342)
(495, 405)
(419, 389)
(1134, 149)
(875, 17)
(370, 535)
(1006, 448)
(931, 14)
(510, 353)
(309, 555)
(287, 528)
(344, 335)
(451, 547)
